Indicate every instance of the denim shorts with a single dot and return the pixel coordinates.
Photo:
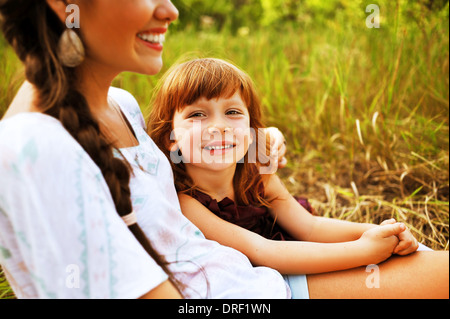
(298, 285)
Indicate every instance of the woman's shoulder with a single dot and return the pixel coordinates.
(37, 139)
(22, 127)
(128, 104)
(123, 97)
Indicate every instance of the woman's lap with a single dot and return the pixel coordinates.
(423, 274)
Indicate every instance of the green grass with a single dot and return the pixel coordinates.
(5, 290)
(365, 113)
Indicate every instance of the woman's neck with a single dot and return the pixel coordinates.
(217, 184)
(95, 82)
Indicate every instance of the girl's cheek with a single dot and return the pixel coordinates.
(244, 135)
(189, 143)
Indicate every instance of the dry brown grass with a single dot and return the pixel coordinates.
(417, 196)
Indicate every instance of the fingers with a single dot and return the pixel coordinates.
(403, 252)
(275, 136)
(277, 146)
(279, 154)
(407, 243)
(282, 162)
(281, 150)
(406, 246)
(388, 221)
(391, 229)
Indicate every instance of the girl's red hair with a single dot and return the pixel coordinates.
(210, 78)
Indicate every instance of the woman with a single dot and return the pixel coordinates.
(75, 158)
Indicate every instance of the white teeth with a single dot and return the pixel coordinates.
(152, 38)
(223, 147)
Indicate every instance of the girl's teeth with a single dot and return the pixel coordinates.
(219, 147)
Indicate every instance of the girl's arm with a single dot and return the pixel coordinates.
(300, 224)
(292, 217)
(293, 257)
(166, 290)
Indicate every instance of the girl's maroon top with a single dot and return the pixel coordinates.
(256, 219)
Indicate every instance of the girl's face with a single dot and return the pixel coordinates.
(212, 134)
(125, 35)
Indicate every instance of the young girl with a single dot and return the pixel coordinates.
(206, 118)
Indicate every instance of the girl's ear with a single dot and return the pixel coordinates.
(171, 146)
(59, 7)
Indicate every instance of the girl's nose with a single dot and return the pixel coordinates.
(218, 129)
(166, 11)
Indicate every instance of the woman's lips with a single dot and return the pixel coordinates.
(153, 38)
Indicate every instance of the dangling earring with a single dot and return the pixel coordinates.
(70, 49)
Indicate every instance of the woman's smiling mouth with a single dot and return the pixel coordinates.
(153, 38)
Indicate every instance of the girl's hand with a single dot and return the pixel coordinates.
(379, 242)
(408, 244)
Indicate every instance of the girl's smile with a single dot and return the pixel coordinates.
(219, 147)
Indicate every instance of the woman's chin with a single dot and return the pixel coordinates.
(149, 67)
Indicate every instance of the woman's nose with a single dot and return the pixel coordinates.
(166, 11)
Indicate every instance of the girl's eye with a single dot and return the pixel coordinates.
(233, 112)
(196, 114)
